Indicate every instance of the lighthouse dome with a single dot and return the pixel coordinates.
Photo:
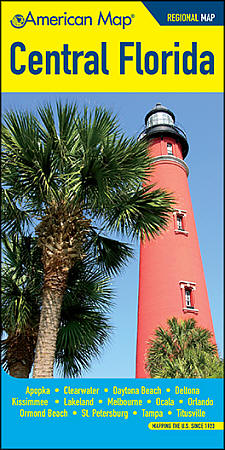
(159, 115)
(160, 122)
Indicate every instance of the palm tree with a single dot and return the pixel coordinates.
(22, 278)
(83, 328)
(84, 324)
(63, 176)
(183, 350)
(214, 367)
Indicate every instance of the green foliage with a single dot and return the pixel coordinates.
(143, 212)
(82, 158)
(214, 367)
(22, 278)
(84, 325)
(13, 216)
(183, 350)
(110, 255)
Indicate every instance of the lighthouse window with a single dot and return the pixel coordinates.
(188, 298)
(169, 149)
(180, 223)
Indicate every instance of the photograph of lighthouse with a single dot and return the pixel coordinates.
(112, 230)
(171, 280)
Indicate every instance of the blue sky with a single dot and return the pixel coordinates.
(201, 116)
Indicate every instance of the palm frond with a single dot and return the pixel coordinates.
(94, 126)
(84, 325)
(80, 339)
(22, 276)
(30, 166)
(110, 255)
(141, 213)
(15, 218)
(183, 350)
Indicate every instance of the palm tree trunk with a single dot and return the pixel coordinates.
(20, 347)
(53, 291)
(61, 235)
(20, 370)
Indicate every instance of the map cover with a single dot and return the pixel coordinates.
(112, 151)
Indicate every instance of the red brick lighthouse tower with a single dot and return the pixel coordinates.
(171, 279)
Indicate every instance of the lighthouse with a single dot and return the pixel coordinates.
(171, 275)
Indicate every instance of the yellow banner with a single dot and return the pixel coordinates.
(105, 47)
(188, 426)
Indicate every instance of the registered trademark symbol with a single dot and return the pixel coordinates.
(132, 15)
